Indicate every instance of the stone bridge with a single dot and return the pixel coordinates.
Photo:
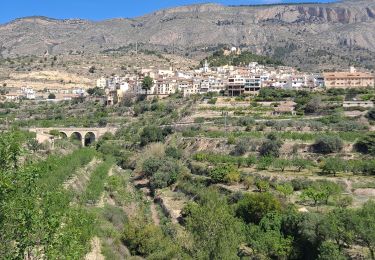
(85, 135)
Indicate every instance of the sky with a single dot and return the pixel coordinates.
(104, 9)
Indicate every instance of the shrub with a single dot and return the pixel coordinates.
(220, 173)
(248, 181)
(371, 114)
(327, 144)
(173, 152)
(232, 177)
(285, 189)
(154, 134)
(240, 149)
(300, 184)
(271, 146)
(147, 239)
(366, 144)
(246, 121)
(262, 185)
(231, 140)
(253, 207)
(151, 166)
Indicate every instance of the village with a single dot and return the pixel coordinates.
(225, 80)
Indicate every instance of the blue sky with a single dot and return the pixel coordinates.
(103, 9)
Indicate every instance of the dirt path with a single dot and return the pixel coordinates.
(95, 253)
(143, 185)
(154, 214)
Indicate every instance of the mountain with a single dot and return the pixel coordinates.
(310, 36)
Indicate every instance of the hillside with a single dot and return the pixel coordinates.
(310, 36)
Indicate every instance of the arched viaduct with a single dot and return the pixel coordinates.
(85, 135)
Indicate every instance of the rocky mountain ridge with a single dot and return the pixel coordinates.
(307, 35)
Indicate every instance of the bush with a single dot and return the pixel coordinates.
(148, 240)
(151, 166)
(223, 173)
(327, 144)
(366, 144)
(253, 207)
(246, 121)
(173, 152)
(262, 185)
(300, 184)
(371, 114)
(152, 134)
(240, 149)
(162, 172)
(271, 146)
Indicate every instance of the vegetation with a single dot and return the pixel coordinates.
(245, 186)
(218, 59)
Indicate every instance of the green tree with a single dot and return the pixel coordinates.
(147, 83)
(329, 250)
(327, 144)
(10, 151)
(253, 207)
(267, 240)
(221, 173)
(51, 96)
(271, 146)
(366, 144)
(321, 191)
(338, 226)
(300, 163)
(216, 233)
(281, 164)
(365, 226)
(285, 189)
(314, 194)
(333, 165)
(98, 92)
(151, 134)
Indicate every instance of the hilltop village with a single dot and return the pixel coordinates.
(225, 80)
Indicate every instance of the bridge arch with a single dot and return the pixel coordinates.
(89, 138)
(76, 136)
(63, 135)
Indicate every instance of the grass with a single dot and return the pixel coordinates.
(288, 135)
(56, 169)
(95, 187)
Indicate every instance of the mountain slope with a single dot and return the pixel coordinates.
(308, 35)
